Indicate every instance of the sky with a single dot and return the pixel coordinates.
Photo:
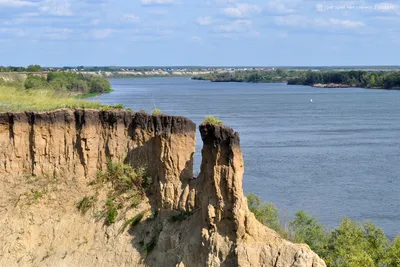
(199, 32)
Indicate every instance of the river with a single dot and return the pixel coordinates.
(332, 152)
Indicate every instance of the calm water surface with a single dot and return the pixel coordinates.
(336, 156)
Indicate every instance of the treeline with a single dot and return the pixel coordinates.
(30, 68)
(353, 78)
(352, 244)
(249, 76)
(68, 81)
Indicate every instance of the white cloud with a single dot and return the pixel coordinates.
(304, 22)
(204, 20)
(130, 18)
(279, 7)
(16, 3)
(56, 7)
(156, 2)
(235, 26)
(57, 33)
(94, 22)
(240, 10)
(196, 39)
(345, 23)
(101, 34)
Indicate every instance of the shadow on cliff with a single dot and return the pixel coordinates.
(146, 234)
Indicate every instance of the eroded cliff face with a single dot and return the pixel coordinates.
(63, 150)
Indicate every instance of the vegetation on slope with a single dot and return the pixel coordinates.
(18, 99)
(352, 244)
(60, 91)
(353, 78)
(128, 190)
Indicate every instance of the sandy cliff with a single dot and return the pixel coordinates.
(48, 160)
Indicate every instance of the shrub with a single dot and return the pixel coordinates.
(99, 85)
(307, 230)
(212, 120)
(35, 82)
(392, 257)
(266, 213)
(156, 112)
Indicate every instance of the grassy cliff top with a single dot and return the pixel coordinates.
(18, 99)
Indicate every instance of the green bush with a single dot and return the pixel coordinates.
(99, 85)
(35, 82)
(69, 81)
(352, 244)
(212, 120)
(392, 255)
(307, 230)
(156, 112)
(266, 213)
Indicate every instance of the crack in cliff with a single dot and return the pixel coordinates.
(31, 122)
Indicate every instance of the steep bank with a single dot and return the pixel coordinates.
(63, 150)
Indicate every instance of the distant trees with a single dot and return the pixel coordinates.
(352, 78)
(34, 68)
(30, 68)
(68, 81)
(352, 244)
(364, 79)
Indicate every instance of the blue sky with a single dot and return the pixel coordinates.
(199, 32)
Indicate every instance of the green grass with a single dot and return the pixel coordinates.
(18, 99)
(132, 222)
(92, 94)
(212, 120)
(156, 112)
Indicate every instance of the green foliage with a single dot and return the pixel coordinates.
(86, 203)
(35, 82)
(34, 68)
(129, 186)
(132, 222)
(353, 78)
(112, 215)
(355, 244)
(156, 112)
(266, 213)
(37, 195)
(69, 81)
(212, 120)
(307, 230)
(98, 85)
(352, 244)
(392, 256)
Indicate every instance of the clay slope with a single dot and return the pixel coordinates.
(48, 160)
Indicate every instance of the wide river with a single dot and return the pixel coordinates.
(332, 152)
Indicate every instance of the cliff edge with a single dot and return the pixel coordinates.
(48, 163)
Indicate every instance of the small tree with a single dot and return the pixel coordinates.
(99, 85)
(266, 213)
(308, 230)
